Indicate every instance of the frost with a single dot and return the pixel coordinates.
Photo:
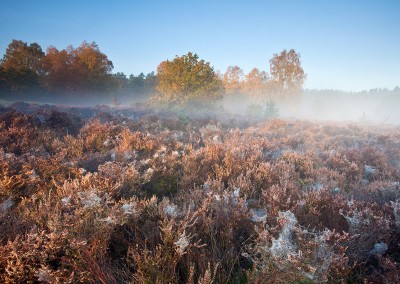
(217, 197)
(128, 208)
(44, 275)
(65, 201)
(258, 215)
(149, 173)
(283, 246)
(236, 191)
(107, 142)
(9, 155)
(251, 202)
(335, 190)
(113, 156)
(171, 210)
(318, 186)
(89, 199)
(33, 175)
(127, 155)
(356, 219)
(396, 210)
(7, 204)
(379, 249)
(369, 170)
(182, 243)
(41, 118)
(108, 220)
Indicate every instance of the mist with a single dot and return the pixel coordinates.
(324, 105)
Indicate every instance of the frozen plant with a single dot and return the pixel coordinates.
(128, 208)
(44, 275)
(89, 199)
(33, 175)
(65, 201)
(396, 210)
(355, 220)
(149, 173)
(206, 186)
(7, 204)
(171, 210)
(236, 191)
(127, 155)
(335, 190)
(379, 249)
(258, 215)
(182, 243)
(283, 247)
(369, 170)
(108, 220)
(318, 186)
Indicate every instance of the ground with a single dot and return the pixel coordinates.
(135, 195)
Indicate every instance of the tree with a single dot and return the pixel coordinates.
(233, 79)
(286, 72)
(59, 76)
(84, 69)
(186, 79)
(256, 83)
(93, 66)
(20, 56)
(22, 65)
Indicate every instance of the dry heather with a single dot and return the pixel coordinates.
(145, 197)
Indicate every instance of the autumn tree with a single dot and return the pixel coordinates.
(187, 79)
(233, 79)
(287, 75)
(22, 65)
(59, 75)
(256, 83)
(82, 69)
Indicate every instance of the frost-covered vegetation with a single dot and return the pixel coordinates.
(106, 195)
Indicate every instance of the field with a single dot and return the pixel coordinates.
(118, 195)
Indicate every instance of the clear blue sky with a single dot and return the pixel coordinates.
(348, 45)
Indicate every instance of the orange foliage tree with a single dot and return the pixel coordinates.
(287, 74)
(84, 68)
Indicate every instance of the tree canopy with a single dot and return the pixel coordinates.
(287, 74)
(233, 79)
(22, 65)
(186, 79)
(84, 69)
(256, 83)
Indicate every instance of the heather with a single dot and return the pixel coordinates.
(140, 195)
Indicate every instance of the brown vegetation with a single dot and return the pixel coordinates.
(144, 197)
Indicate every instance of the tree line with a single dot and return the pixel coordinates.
(85, 70)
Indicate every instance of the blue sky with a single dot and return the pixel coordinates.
(348, 45)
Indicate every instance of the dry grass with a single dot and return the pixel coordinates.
(156, 198)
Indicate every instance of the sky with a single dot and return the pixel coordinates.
(347, 45)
